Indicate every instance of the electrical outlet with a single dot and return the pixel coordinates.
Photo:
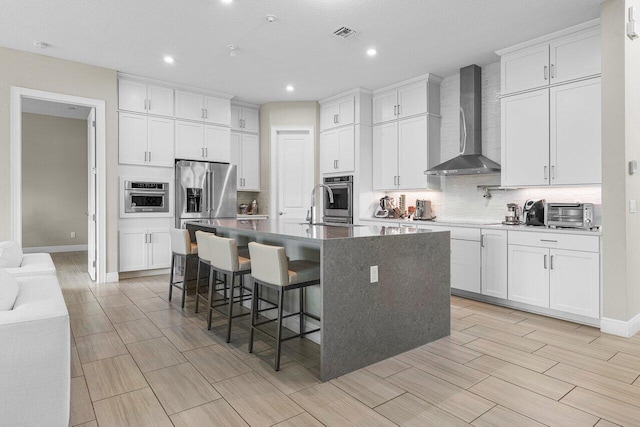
(73, 234)
(373, 276)
(633, 206)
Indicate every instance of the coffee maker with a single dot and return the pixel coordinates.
(423, 210)
(513, 214)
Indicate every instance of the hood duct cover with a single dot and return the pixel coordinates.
(470, 161)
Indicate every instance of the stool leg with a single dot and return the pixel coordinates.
(301, 312)
(233, 282)
(210, 294)
(173, 264)
(254, 313)
(198, 286)
(279, 334)
(225, 287)
(184, 282)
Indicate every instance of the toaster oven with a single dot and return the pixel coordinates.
(572, 215)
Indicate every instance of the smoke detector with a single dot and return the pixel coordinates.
(344, 32)
(232, 50)
(270, 18)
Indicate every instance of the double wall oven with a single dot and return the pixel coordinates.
(341, 210)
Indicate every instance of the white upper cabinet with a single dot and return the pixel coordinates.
(385, 106)
(245, 154)
(525, 139)
(145, 140)
(576, 141)
(413, 152)
(340, 112)
(217, 146)
(160, 136)
(338, 150)
(385, 156)
(189, 140)
(571, 55)
(193, 106)
(245, 119)
(142, 98)
(412, 99)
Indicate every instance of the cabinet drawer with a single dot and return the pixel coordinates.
(555, 241)
(457, 233)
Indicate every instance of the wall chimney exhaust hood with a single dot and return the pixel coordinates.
(470, 161)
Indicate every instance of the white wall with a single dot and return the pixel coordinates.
(54, 181)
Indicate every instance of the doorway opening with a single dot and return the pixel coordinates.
(57, 171)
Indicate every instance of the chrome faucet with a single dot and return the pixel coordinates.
(312, 215)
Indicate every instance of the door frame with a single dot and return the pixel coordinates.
(273, 163)
(17, 94)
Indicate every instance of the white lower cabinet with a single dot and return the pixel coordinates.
(494, 263)
(465, 265)
(529, 275)
(144, 249)
(575, 282)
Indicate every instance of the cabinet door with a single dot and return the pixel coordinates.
(217, 110)
(132, 96)
(528, 275)
(575, 282)
(251, 162)
(525, 139)
(160, 100)
(189, 140)
(189, 106)
(329, 115)
(576, 138)
(385, 106)
(346, 149)
(133, 250)
(250, 120)
(385, 156)
(576, 56)
(413, 151)
(465, 265)
(132, 139)
(525, 69)
(160, 141)
(235, 155)
(412, 100)
(159, 248)
(216, 143)
(494, 263)
(236, 117)
(330, 151)
(346, 111)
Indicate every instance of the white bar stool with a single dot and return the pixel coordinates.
(225, 260)
(204, 257)
(181, 246)
(270, 268)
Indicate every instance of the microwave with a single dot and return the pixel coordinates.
(572, 215)
(143, 197)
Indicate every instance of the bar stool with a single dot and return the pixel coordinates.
(181, 246)
(204, 257)
(225, 260)
(270, 268)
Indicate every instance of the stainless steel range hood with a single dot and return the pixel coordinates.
(470, 161)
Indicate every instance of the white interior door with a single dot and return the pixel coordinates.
(91, 197)
(295, 169)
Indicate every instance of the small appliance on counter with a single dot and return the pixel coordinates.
(253, 208)
(573, 215)
(243, 209)
(423, 210)
(387, 208)
(513, 215)
(534, 212)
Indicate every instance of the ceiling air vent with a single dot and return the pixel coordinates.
(344, 32)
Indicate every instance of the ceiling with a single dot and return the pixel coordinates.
(412, 37)
(50, 108)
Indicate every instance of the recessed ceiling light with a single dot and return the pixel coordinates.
(232, 50)
(289, 88)
(227, 1)
(372, 52)
(169, 59)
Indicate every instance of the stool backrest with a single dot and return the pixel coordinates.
(180, 241)
(269, 264)
(204, 252)
(224, 253)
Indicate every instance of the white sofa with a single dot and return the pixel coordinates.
(35, 355)
(34, 264)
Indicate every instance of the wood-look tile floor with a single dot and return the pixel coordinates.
(138, 359)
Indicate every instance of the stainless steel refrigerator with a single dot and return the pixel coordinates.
(204, 190)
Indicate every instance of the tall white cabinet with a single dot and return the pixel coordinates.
(245, 145)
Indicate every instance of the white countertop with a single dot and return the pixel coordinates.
(251, 216)
(484, 224)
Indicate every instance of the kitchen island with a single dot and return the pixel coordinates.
(361, 322)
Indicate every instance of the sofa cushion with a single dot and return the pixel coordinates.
(10, 254)
(8, 290)
(34, 265)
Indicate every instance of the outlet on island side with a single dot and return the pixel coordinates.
(373, 274)
(73, 234)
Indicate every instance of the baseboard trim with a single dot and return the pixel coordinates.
(112, 277)
(144, 273)
(55, 249)
(619, 327)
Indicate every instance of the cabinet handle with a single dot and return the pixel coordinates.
(202, 113)
(206, 113)
(337, 118)
(546, 72)
(145, 104)
(149, 104)
(206, 151)
(553, 71)
(395, 110)
(145, 156)
(547, 240)
(553, 172)
(149, 156)
(398, 180)
(546, 172)
(201, 151)
(398, 109)
(545, 262)
(482, 240)
(551, 263)
(242, 123)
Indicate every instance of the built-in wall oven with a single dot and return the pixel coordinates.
(341, 210)
(143, 197)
